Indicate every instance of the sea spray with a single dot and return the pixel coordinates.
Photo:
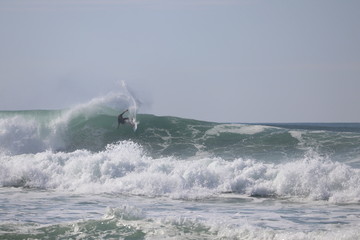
(133, 103)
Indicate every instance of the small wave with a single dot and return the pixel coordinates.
(125, 223)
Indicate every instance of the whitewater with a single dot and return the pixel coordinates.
(71, 174)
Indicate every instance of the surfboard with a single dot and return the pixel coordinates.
(133, 123)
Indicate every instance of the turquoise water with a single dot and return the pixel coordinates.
(71, 174)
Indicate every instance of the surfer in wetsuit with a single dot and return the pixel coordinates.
(121, 119)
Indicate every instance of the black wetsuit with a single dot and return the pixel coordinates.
(121, 119)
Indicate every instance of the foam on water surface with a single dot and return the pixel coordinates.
(61, 215)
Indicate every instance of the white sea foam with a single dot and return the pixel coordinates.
(125, 212)
(296, 134)
(236, 128)
(125, 169)
(47, 214)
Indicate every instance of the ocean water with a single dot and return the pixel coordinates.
(71, 174)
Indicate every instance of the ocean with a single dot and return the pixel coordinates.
(71, 174)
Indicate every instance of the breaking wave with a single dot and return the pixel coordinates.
(81, 150)
(124, 168)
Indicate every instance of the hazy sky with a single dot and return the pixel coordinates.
(219, 60)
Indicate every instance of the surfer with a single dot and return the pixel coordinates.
(123, 120)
